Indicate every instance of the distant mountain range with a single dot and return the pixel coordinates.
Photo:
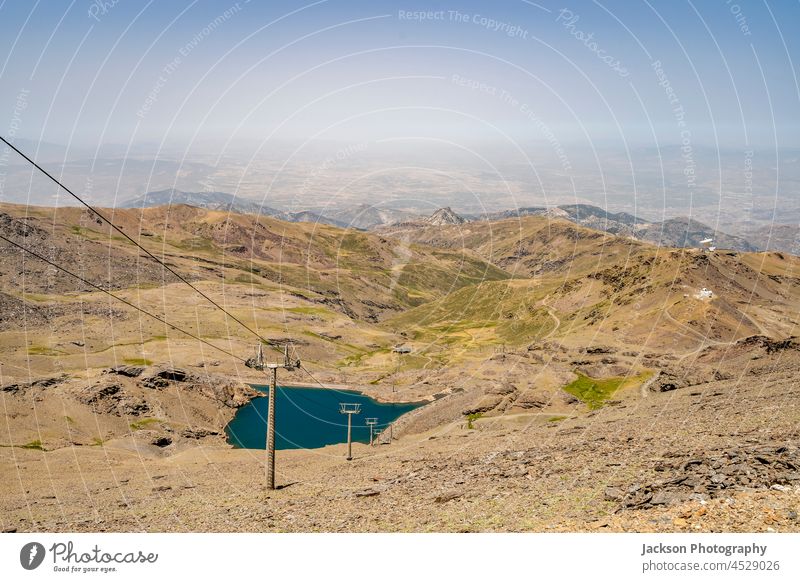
(672, 232)
(224, 202)
(366, 217)
(210, 200)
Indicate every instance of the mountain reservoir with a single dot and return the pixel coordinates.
(309, 418)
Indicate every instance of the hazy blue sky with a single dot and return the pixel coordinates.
(132, 71)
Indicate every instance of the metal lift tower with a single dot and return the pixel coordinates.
(349, 410)
(258, 364)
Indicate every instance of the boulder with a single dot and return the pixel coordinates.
(502, 389)
(530, 399)
(600, 350)
(198, 433)
(127, 371)
(485, 404)
(162, 441)
(174, 374)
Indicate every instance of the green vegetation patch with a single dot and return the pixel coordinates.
(35, 445)
(196, 244)
(138, 361)
(508, 311)
(358, 244)
(471, 418)
(594, 392)
(320, 311)
(421, 281)
(144, 423)
(357, 359)
(556, 418)
(43, 351)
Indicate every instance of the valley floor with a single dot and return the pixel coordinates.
(721, 456)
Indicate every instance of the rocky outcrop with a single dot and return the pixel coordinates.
(675, 378)
(128, 371)
(502, 389)
(604, 369)
(486, 404)
(40, 383)
(198, 433)
(599, 350)
(226, 391)
(112, 398)
(713, 475)
(770, 345)
(530, 399)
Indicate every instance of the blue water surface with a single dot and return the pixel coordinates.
(308, 418)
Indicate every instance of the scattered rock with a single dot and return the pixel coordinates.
(671, 377)
(40, 383)
(770, 345)
(485, 404)
(174, 374)
(530, 399)
(111, 398)
(128, 371)
(502, 389)
(600, 350)
(162, 441)
(367, 493)
(448, 496)
(567, 397)
(716, 475)
(198, 433)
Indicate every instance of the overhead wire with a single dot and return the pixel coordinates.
(152, 256)
(117, 297)
(148, 253)
(150, 314)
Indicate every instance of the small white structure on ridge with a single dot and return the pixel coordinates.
(705, 293)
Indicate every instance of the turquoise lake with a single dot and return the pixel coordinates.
(308, 418)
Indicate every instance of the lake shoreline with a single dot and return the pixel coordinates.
(363, 391)
(310, 428)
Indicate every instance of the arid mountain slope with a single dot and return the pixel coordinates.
(551, 354)
(321, 287)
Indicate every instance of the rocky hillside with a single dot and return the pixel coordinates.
(543, 345)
